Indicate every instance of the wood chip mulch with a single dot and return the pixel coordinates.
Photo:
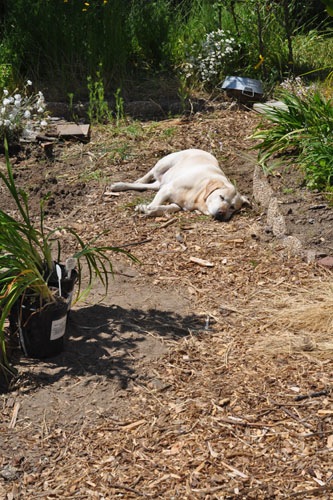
(239, 408)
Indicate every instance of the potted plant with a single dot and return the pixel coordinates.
(35, 284)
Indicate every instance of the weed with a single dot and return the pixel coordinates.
(169, 132)
(6, 76)
(254, 263)
(98, 110)
(93, 175)
(120, 114)
(183, 92)
(72, 113)
(133, 130)
(119, 152)
(138, 200)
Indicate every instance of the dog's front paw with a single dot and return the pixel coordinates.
(118, 186)
(142, 208)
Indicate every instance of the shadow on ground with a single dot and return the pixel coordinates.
(109, 341)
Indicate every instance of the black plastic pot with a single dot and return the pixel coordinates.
(41, 329)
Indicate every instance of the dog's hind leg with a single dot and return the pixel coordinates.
(148, 178)
(159, 169)
(151, 180)
(157, 207)
(134, 186)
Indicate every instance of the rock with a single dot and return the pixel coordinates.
(326, 262)
(262, 192)
(275, 219)
(269, 105)
(9, 472)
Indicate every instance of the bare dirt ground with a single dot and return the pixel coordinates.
(187, 381)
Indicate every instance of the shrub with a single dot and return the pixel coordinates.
(213, 58)
(301, 131)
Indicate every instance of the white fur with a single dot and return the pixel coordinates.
(187, 180)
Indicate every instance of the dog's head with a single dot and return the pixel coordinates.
(224, 201)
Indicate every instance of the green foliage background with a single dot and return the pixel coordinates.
(59, 43)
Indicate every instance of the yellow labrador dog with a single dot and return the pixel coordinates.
(187, 180)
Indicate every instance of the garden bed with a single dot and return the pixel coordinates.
(186, 381)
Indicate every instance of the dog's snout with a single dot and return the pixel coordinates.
(221, 216)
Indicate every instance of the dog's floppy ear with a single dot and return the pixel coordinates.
(211, 186)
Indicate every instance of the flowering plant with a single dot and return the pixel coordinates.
(213, 58)
(297, 87)
(21, 112)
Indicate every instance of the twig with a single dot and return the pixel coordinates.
(300, 397)
(135, 243)
(213, 489)
(313, 491)
(132, 490)
(318, 433)
(292, 415)
(14, 416)
(167, 223)
(242, 423)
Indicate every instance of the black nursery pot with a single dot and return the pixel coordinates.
(42, 329)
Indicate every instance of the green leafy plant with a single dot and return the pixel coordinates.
(29, 251)
(302, 131)
(317, 160)
(120, 113)
(98, 110)
(71, 108)
(6, 75)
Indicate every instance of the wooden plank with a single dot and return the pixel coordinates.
(72, 130)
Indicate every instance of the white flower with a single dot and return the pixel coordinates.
(29, 82)
(5, 92)
(5, 101)
(27, 114)
(43, 123)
